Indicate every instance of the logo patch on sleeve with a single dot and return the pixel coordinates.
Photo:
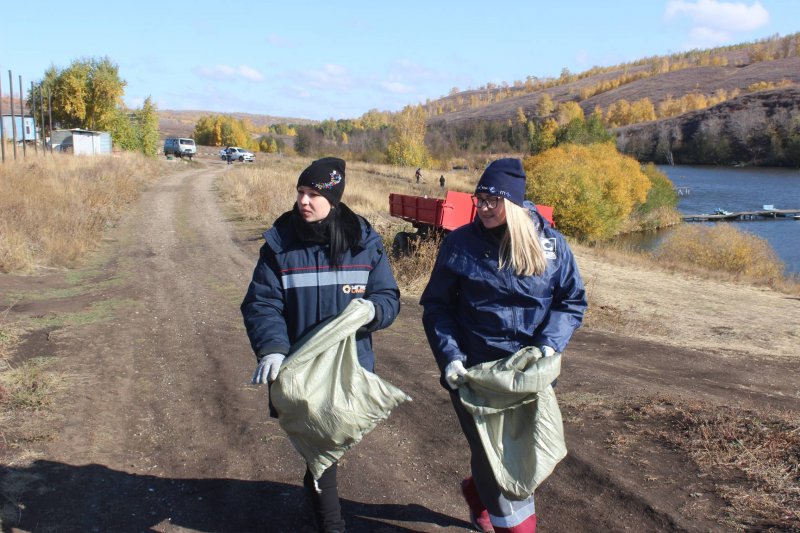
(549, 246)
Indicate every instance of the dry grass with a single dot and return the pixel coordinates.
(30, 385)
(722, 248)
(739, 254)
(413, 269)
(54, 209)
(262, 193)
(753, 457)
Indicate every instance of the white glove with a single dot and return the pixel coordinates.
(454, 374)
(547, 351)
(267, 369)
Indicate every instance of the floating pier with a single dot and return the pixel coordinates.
(760, 214)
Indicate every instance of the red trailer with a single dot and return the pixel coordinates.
(432, 215)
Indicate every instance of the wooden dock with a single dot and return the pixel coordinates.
(761, 214)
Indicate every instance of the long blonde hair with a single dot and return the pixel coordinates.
(521, 250)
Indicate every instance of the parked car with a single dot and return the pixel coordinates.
(237, 154)
(180, 147)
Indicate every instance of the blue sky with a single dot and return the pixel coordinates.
(318, 60)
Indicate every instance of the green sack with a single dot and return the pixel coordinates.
(326, 401)
(518, 419)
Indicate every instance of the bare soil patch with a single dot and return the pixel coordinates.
(158, 429)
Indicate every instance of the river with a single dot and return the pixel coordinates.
(738, 189)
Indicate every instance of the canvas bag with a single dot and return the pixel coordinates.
(326, 401)
(518, 419)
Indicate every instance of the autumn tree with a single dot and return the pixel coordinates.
(593, 188)
(545, 105)
(147, 127)
(566, 112)
(223, 130)
(407, 141)
(88, 94)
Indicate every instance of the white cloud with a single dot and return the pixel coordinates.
(330, 76)
(250, 73)
(229, 73)
(716, 22)
(396, 87)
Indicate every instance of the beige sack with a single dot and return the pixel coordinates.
(518, 419)
(326, 401)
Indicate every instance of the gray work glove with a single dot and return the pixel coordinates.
(454, 374)
(267, 369)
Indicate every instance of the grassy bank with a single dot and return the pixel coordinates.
(54, 209)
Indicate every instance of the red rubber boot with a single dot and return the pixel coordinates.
(478, 514)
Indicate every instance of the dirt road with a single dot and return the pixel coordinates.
(160, 429)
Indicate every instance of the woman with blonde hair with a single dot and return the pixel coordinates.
(502, 283)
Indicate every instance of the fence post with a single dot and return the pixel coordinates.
(33, 115)
(2, 134)
(13, 122)
(22, 118)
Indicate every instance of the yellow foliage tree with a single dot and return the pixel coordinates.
(407, 141)
(223, 130)
(566, 112)
(642, 111)
(545, 105)
(593, 188)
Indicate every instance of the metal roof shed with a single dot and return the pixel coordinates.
(83, 142)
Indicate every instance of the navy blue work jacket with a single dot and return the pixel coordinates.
(477, 313)
(294, 288)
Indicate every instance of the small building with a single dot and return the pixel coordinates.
(22, 124)
(81, 142)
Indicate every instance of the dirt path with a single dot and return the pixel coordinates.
(161, 431)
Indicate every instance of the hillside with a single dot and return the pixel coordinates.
(704, 80)
(174, 123)
(743, 130)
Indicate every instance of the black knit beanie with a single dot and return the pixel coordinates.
(326, 175)
(504, 178)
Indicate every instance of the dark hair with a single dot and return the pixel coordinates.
(345, 233)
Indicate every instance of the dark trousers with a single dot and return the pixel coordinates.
(502, 511)
(324, 497)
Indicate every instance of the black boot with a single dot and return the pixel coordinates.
(324, 498)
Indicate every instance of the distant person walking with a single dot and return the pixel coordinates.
(441, 183)
(228, 156)
(418, 174)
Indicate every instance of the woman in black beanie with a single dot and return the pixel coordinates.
(316, 259)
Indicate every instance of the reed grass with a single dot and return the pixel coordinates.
(53, 209)
(722, 248)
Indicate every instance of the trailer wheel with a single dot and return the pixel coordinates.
(401, 244)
